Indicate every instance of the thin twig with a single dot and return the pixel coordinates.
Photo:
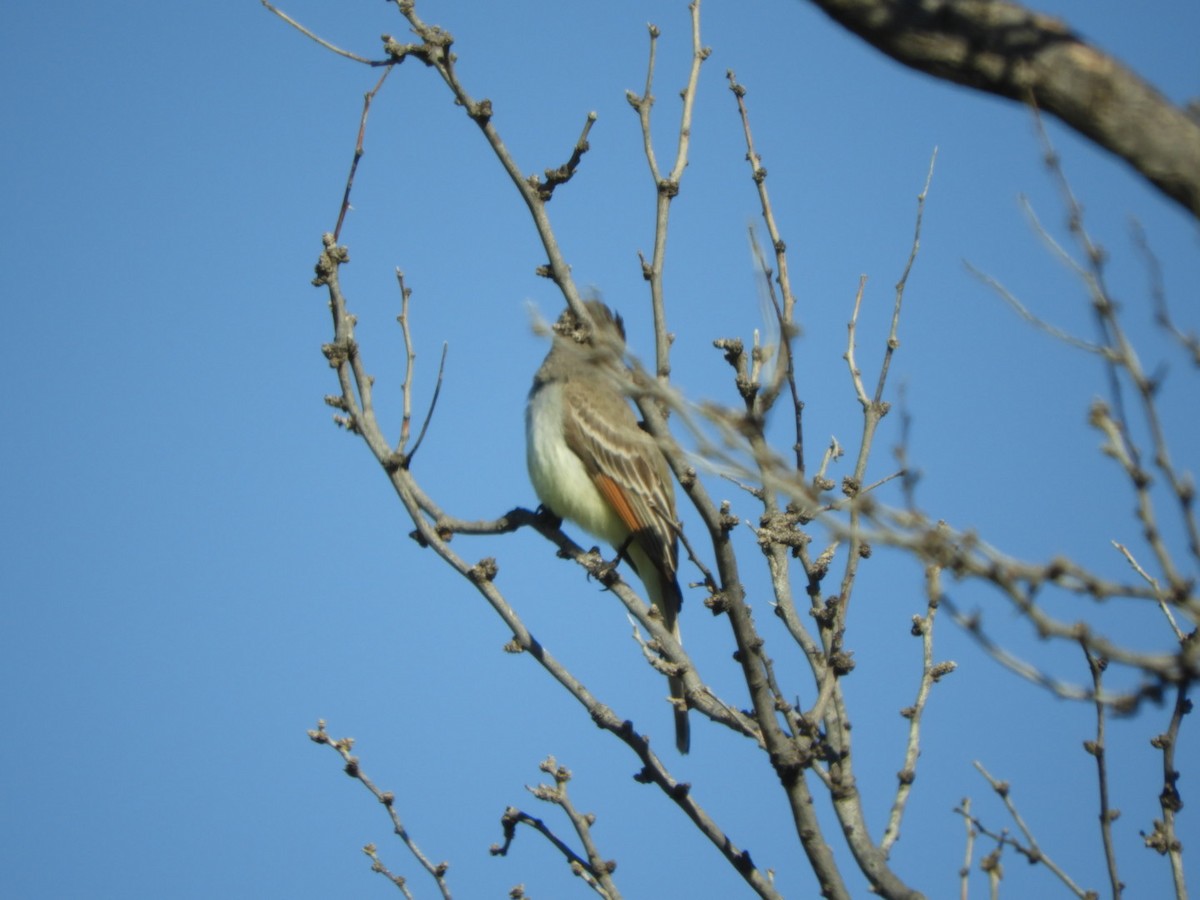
(1122, 359)
(595, 871)
(435, 52)
(377, 865)
(410, 358)
(1025, 313)
(324, 43)
(358, 151)
(964, 874)
(565, 172)
(1153, 582)
(343, 747)
(893, 339)
(1123, 702)
(1098, 748)
(667, 188)
(785, 311)
(1031, 850)
(855, 373)
(437, 390)
(931, 673)
(1164, 838)
(1190, 341)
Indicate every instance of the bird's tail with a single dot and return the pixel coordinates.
(670, 604)
(683, 728)
(663, 588)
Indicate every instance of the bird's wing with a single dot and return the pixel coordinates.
(626, 466)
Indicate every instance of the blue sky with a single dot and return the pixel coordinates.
(197, 564)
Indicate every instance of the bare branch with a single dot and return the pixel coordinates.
(1031, 851)
(595, 871)
(343, 746)
(1164, 838)
(1024, 312)
(434, 51)
(1190, 341)
(320, 40)
(931, 673)
(784, 312)
(564, 173)
(378, 866)
(1153, 582)
(667, 188)
(1098, 748)
(969, 848)
(358, 151)
(1123, 360)
(893, 339)
(1002, 48)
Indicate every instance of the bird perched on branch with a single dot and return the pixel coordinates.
(591, 463)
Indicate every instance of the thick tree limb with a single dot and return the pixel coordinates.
(1005, 49)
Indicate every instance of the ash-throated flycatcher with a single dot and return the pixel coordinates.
(591, 463)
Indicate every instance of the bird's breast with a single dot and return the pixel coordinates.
(559, 477)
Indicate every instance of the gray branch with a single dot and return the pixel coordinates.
(1004, 49)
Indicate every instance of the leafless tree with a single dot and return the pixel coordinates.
(814, 533)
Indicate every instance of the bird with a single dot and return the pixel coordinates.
(591, 463)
